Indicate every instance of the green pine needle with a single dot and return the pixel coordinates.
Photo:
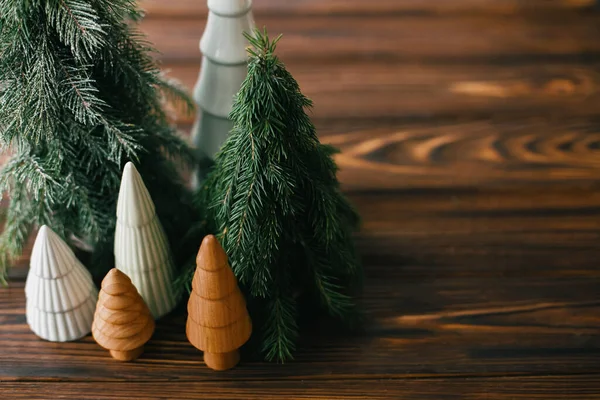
(274, 199)
(80, 95)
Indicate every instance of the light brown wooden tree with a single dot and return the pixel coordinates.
(218, 322)
(122, 322)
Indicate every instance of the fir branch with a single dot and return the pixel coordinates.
(333, 300)
(77, 25)
(281, 331)
(176, 93)
(79, 96)
(19, 219)
(26, 170)
(274, 197)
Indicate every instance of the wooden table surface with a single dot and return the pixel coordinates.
(470, 132)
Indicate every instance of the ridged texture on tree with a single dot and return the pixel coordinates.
(141, 247)
(218, 322)
(122, 322)
(60, 292)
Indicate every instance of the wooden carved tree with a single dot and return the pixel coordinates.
(218, 322)
(122, 323)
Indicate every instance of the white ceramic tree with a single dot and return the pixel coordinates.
(61, 296)
(224, 67)
(141, 248)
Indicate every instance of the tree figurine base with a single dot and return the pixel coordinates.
(128, 355)
(222, 361)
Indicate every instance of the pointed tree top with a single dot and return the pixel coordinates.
(116, 282)
(57, 282)
(230, 8)
(51, 257)
(211, 256)
(135, 206)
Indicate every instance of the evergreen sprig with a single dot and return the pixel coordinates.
(80, 95)
(275, 201)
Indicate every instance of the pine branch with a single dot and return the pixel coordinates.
(281, 331)
(274, 197)
(17, 225)
(77, 25)
(177, 94)
(80, 94)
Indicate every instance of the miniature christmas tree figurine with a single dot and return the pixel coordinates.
(122, 323)
(60, 293)
(79, 96)
(218, 322)
(275, 200)
(141, 248)
(224, 67)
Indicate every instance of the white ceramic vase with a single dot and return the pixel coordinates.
(224, 68)
(141, 248)
(61, 296)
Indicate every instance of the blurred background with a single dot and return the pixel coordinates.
(421, 93)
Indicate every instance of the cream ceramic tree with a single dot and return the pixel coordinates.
(141, 247)
(224, 67)
(61, 295)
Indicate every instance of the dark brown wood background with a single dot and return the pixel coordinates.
(470, 132)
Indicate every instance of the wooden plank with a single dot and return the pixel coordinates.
(388, 154)
(374, 90)
(547, 388)
(513, 153)
(187, 8)
(474, 233)
(428, 328)
(458, 284)
(423, 38)
(551, 233)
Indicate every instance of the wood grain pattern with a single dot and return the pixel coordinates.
(455, 287)
(371, 89)
(218, 322)
(513, 153)
(194, 8)
(420, 38)
(575, 387)
(470, 138)
(122, 321)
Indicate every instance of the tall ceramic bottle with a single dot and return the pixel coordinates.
(224, 67)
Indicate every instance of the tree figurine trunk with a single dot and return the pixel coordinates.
(218, 322)
(224, 67)
(141, 248)
(122, 322)
(274, 198)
